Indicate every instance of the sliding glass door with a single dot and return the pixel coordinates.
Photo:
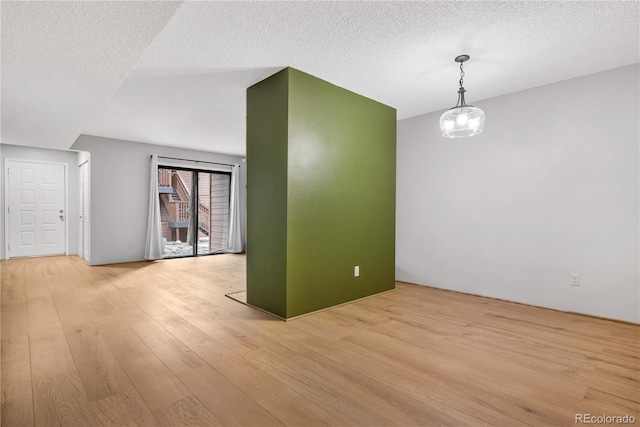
(194, 211)
(213, 210)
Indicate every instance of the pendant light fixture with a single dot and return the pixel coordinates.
(462, 120)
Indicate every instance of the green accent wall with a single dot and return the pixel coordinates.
(320, 194)
(267, 129)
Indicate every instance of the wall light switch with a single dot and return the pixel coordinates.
(356, 271)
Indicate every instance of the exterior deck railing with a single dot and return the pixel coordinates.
(179, 209)
(164, 177)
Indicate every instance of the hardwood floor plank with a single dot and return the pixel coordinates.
(153, 380)
(36, 283)
(241, 373)
(314, 388)
(465, 359)
(287, 405)
(17, 403)
(15, 321)
(58, 283)
(100, 373)
(175, 355)
(70, 310)
(122, 410)
(14, 285)
(616, 380)
(600, 402)
(60, 400)
(521, 393)
(100, 309)
(435, 404)
(283, 402)
(233, 337)
(186, 412)
(381, 401)
(625, 355)
(50, 355)
(324, 327)
(42, 313)
(229, 405)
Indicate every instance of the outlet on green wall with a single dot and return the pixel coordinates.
(330, 203)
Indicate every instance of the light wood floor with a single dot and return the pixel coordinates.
(159, 344)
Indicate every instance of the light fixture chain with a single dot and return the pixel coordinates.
(461, 74)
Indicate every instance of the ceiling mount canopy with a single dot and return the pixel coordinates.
(462, 120)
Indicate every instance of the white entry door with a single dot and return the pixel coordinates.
(36, 209)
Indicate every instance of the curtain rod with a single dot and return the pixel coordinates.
(195, 161)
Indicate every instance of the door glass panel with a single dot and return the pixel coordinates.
(218, 198)
(176, 213)
(204, 212)
(213, 212)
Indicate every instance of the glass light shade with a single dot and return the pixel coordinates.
(462, 121)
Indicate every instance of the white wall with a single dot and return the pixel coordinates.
(39, 154)
(120, 193)
(550, 188)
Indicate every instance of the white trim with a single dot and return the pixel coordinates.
(84, 240)
(5, 205)
(80, 180)
(7, 237)
(193, 164)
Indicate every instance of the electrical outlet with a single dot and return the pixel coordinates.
(574, 279)
(356, 271)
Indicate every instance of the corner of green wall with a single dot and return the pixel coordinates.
(267, 132)
(320, 194)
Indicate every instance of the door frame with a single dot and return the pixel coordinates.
(84, 234)
(195, 197)
(7, 225)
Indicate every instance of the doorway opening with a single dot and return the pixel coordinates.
(194, 211)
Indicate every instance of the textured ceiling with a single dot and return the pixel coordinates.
(188, 87)
(61, 61)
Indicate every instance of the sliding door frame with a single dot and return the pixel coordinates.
(194, 205)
